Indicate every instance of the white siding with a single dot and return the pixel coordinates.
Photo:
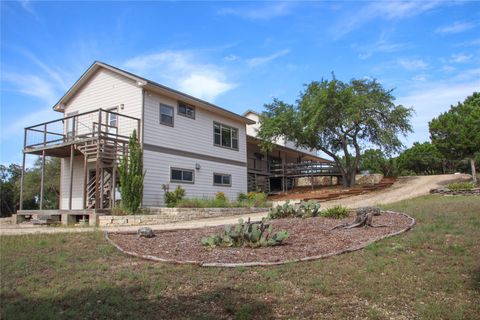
(105, 90)
(193, 135)
(157, 166)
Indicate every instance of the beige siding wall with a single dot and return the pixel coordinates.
(105, 90)
(157, 166)
(193, 135)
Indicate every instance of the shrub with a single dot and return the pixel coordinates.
(242, 197)
(220, 196)
(173, 197)
(204, 203)
(309, 209)
(282, 211)
(461, 186)
(250, 234)
(337, 212)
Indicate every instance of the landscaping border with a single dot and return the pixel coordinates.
(264, 263)
(461, 192)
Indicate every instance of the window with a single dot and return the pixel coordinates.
(112, 118)
(166, 115)
(181, 175)
(220, 179)
(186, 110)
(225, 136)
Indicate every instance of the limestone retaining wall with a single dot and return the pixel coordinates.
(167, 215)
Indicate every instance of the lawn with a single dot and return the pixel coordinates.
(430, 272)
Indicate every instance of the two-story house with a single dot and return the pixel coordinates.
(185, 140)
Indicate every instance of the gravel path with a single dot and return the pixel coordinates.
(404, 188)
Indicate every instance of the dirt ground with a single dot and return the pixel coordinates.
(403, 188)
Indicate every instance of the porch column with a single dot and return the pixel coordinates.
(22, 177)
(85, 173)
(72, 154)
(42, 179)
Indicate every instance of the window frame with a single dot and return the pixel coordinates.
(232, 129)
(160, 115)
(186, 115)
(182, 170)
(222, 175)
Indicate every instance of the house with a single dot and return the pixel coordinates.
(186, 141)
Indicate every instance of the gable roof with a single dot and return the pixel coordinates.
(147, 84)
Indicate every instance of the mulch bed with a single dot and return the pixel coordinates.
(309, 239)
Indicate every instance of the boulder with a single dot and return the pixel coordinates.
(145, 232)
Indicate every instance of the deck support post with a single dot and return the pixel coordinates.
(97, 167)
(22, 177)
(42, 180)
(85, 175)
(72, 154)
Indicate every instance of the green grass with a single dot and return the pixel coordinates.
(431, 272)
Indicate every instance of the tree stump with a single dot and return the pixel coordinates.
(364, 218)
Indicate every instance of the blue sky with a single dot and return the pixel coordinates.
(238, 55)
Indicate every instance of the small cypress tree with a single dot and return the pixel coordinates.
(131, 176)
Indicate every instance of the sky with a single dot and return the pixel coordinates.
(238, 55)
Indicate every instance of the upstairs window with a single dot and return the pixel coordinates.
(181, 175)
(225, 136)
(186, 110)
(166, 115)
(221, 179)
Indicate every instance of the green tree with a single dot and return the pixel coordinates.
(339, 119)
(422, 158)
(374, 160)
(131, 176)
(456, 133)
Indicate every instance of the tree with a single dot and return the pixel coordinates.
(339, 119)
(456, 133)
(422, 158)
(131, 176)
(374, 160)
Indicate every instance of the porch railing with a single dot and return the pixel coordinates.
(304, 169)
(81, 126)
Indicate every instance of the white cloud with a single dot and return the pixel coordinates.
(412, 64)
(456, 27)
(433, 98)
(389, 10)
(181, 69)
(32, 85)
(259, 61)
(15, 129)
(264, 12)
(461, 57)
(381, 46)
(231, 57)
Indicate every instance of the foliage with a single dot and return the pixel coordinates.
(131, 176)
(250, 234)
(10, 179)
(336, 212)
(221, 196)
(308, 209)
(461, 186)
(258, 201)
(241, 197)
(285, 210)
(375, 161)
(456, 133)
(421, 158)
(338, 118)
(172, 198)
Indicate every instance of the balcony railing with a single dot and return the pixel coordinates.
(82, 126)
(304, 169)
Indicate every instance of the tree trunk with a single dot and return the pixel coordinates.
(474, 172)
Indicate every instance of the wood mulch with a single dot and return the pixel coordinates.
(309, 239)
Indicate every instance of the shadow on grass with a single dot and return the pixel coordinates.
(133, 303)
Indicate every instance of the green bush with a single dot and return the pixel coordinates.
(250, 234)
(242, 197)
(461, 186)
(204, 203)
(173, 197)
(285, 210)
(306, 209)
(337, 212)
(309, 209)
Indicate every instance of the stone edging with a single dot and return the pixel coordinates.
(264, 263)
(462, 192)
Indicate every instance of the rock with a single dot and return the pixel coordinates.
(146, 232)
(366, 210)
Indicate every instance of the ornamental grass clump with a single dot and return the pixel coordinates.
(461, 186)
(248, 234)
(337, 212)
